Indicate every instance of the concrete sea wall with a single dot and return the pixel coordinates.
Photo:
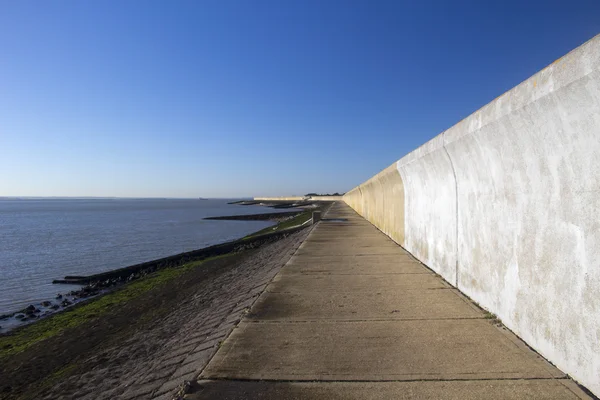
(505, 206)
(325, 198)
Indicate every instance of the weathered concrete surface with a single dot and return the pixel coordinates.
(355, 283)
(381, 201)
(504, 206)
(379, 305)
(448, 390)
(375, 351)
(341, 264)
(318, 328)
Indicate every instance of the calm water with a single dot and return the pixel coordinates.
(46, 239)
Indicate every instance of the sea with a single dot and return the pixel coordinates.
(46, 239)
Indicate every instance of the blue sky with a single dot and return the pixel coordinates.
(241, 98)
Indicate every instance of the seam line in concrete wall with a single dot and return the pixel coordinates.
(361, 193)
(400, 162)
(456, 271)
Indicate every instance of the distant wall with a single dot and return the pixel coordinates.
(325, 198)
(299, 198)
(291, 198)
(505, 205)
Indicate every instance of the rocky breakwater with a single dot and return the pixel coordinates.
(275, 217)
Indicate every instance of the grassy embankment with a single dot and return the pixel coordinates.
(27, 336)
(290, 223)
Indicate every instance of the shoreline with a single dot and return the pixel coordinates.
(277, 217)
(164, 310)
(47, 240)
(94, 286)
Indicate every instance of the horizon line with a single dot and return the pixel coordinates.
(121, 197)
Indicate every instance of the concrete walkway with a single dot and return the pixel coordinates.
(354, 316)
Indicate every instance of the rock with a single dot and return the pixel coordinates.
(5, 316)
(19, 316)
(55, 306)
(65, 303)
(58, 296)
(31, 310)
(46, 303)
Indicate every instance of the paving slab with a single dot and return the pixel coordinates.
(345, 306)
(423, 390)
(332, 250)
(355, 265)
(375, 350)
(359, 241)
(358, 232)
(392, 259)
(370, 283)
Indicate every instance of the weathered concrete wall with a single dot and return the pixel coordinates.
(431, 207)
(504, 205)
(326, 198)
(382, 203)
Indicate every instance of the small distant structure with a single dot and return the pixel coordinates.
(316, 216)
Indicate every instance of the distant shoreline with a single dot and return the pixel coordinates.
(118, 198)
(46, 239)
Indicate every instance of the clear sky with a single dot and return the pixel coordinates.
(241, 98)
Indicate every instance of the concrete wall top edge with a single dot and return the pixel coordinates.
(426, 148)
(569, 68)
(579, 62)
